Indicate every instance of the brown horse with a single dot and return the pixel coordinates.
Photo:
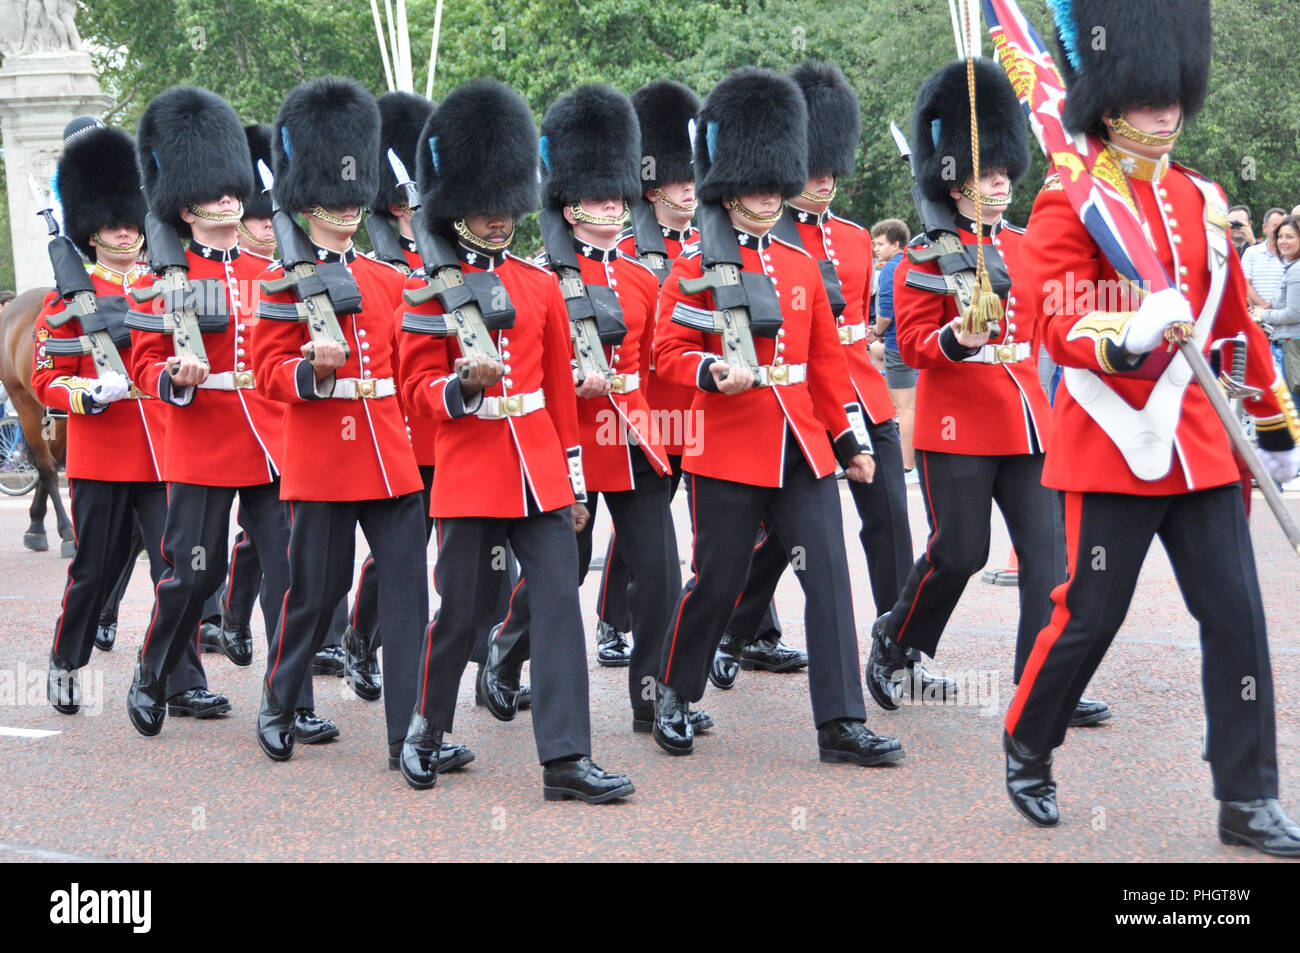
(17, 339)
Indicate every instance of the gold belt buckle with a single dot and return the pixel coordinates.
(618, 383)
(365, 388)
(846, 336)
(244, 379)
(511, 406)
(779, 374)
(1006, 354)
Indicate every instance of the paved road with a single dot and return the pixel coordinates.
(1132, 789)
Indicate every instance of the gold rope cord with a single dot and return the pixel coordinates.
(985, 306)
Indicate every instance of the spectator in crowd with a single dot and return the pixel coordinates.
(1261, 264)
(1296, 211)
(888, 239)
(1241, 235)
(1284, 316)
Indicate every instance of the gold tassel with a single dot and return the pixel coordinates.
(985, 311)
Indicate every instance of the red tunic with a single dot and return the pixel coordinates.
(1074, 277)
(964, 406)
(490, 466)
(742, 437)
(215, 437)
(338, 448)
(848, 245)
(118, 442)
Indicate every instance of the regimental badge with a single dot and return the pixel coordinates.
(44, 361)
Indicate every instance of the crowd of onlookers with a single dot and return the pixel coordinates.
(1273, 285)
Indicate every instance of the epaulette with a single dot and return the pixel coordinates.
(535, 263)
(802, 251)
(847, 221)
(624, 235)
(1053, 183)
(640, 264)
(690, 251)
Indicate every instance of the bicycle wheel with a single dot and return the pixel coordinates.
(17, 468)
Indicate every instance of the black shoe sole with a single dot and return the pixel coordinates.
(72, 710)
(565, 794)
(103, 647)
(318, 739)
(238, 662)
(779, 668)
(182, 712)
(613, 663)
(368, 695)
(887, 702)
(148, 732)
(720, 684)
(274, 755)
(1095, 719)
(831, 756)
(675, 752)
(419, 785)
(1233, 839)
(1037, 822)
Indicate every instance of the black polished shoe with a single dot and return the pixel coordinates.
(851, 741)
(767, 654)
(360, 667)
(236, 641)
(450, 757)
(1261, 824)
(105, 636)
(311, 729)
(612, 650)
(275, 735)
(886, 667)
(921, 686)
(63, 688)
(672, 728)
(524, 697)
(726, 663)
(210, 635)
(328, 661)
(1029, 782)
(498, 684)
(1089, 711)
(198, 702)
(421, 751)
(146, 701)
(643, 720)
(584, 780)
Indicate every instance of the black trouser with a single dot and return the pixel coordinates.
(642, 517)
(194, 546)
(614, 599)
(885, 535)
(104, 515)
(113, 600)
(322, 546)
(365, 603)
(1207, 537)
(959, 491)
(470, 563)
(805, 513)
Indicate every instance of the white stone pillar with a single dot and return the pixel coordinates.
(39, 94)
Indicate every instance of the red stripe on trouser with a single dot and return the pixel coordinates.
(361, 581)
(923, 463)
(230, 574)
(604, 577)
(283, 605)
(162, 548)
(677, 623)
(1060, 614)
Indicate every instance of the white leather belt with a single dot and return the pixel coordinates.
(1012, 353)
(625, 383)
(852, 333)
(229, 380)
(780, 375)
(512, 405)
(363, 388)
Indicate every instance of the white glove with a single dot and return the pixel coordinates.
(1146, 328)
(112, 386)
(1282, 465)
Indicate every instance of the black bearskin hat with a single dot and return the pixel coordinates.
(98, 184)
(591, 147)
(834, 120)
(665, 110)
(1117, 55)
(941, 127)
(326, 146)
(402, 116)
(192, 149)
(752, 137)
(478, 154)
(79, 127)
(258, 205)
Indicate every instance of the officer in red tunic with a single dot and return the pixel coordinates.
(843, 249)
(115, 435)
(348, 459)
(764, 447)
(223, 436)
(510, 462)
(664, 110)
(1178, 480)
(982, 419)
(593, 152)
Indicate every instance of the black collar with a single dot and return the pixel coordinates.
(967, 225)
(684, 236)
(214, 254)
(408, 244)
(811, 218)
(480, 258)
(748, 240)
(327, 257)
(605, 255)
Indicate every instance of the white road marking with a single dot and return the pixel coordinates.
(26, 732)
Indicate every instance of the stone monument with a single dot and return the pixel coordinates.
(46, 80)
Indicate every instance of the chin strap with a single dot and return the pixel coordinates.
(675, 206)
(736, 205)
(584, 216)
(465, 235)
(1123, 127)
(219, 217)
(130, 249)
(330, 218)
